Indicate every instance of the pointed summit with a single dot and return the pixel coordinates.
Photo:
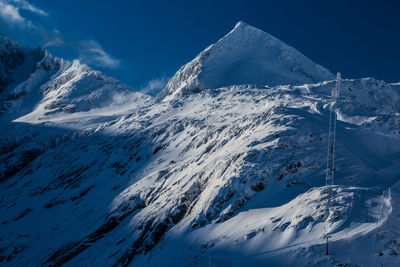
(240, 24)
(246, 55)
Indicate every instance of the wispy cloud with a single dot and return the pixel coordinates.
(51, 38)
(89, 51)
(23, 4)
(92, 53)
(154, 86)
(10, 12)
(55, 41)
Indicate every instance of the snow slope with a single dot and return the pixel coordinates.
(263, 235)
(226, 176)
(245, 55)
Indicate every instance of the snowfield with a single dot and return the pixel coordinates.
(225, 167)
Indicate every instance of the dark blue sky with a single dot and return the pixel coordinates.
(138, 41)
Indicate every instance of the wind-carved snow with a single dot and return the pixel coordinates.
(246, 55)
(228, 175)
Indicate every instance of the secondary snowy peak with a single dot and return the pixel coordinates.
(36, 86)
(246, 55)
(77, 90)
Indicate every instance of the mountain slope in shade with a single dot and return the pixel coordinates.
(245, 55)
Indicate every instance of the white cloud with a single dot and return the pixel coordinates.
(89, 51)
(51, 37)
(23, 4)
(54, 41)
(92, 53)
(154, 86)
(11, 14)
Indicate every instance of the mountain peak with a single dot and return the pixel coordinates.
(243, 27)
(246, 55)
(240, 23)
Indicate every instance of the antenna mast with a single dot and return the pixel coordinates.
(330, 161)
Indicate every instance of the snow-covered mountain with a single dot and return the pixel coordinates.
(245, 55)
(228, 175)
(37, 86)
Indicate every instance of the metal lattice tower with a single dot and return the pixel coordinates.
(330, 161)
